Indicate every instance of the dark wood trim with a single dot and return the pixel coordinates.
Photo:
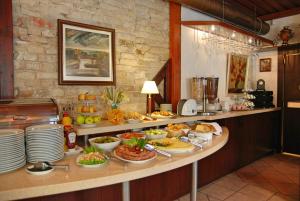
(194, 24)
(280, 14)
(175, 53)
(6, 50)
(60, 24)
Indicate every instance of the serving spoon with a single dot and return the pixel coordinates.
(44, 165)
(150, 147)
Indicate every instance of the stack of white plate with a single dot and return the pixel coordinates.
(12, 149)
(44, 143)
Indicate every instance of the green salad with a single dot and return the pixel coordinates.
(92, 156)
(156, 132)
(106, 139)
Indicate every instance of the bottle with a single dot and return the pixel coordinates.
(70, 137)
(69, 133)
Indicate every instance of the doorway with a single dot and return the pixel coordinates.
(289, 96)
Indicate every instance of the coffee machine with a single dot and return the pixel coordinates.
(205, 92)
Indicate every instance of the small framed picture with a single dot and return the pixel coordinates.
(86, 54)
(265, 65)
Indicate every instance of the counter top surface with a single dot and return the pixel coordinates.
(106, 126)
(19, 184)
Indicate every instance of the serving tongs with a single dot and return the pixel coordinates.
(45, 165)
(187, 140)
(150, 147)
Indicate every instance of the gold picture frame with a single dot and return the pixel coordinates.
(265, 65)
(237, 73)
(86, 54)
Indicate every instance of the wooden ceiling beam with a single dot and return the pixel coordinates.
(262, 4)
(276, 5)
(251, 6)
(280, 14)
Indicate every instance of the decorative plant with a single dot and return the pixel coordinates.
(114, 96)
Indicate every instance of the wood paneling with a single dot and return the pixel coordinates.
(167, 186)
(280, 14)
(250, 137)
(269, 9)
(6, 50)
(175, 53)
(107, 193)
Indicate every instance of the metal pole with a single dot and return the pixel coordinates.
(86, 139)
(126, 191)
(194, 181)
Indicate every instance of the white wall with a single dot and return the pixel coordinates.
(198, 61)
(293, 22)
(269, 77)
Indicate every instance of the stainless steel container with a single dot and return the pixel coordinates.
(20, 113)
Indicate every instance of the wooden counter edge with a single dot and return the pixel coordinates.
(30, 192)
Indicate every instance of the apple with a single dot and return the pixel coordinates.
(80, 119)
(89, 120)
(97, 119)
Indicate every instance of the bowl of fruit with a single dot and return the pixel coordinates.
(88, 121)
(155, 134)
(105, 143)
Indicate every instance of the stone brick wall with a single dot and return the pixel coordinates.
(142, 44)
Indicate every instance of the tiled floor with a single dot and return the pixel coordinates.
(273, 178)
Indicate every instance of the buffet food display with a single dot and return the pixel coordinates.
(132, 147)
(87, 111)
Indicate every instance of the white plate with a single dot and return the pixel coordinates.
(11, 132)
(135, 162)
(5, 170)
(161, 116)
(44, 127)
(75, 151)
(90, 166)
(38, 173)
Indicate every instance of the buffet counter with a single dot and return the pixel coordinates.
(20, 185)
(106, 126)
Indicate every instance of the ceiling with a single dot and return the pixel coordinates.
(269, 9)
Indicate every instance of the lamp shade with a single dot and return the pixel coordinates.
(149, 87)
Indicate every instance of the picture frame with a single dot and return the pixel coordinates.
(237, 73)
(265, 65)
(86, 54)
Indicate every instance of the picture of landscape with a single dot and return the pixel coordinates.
(86, 53)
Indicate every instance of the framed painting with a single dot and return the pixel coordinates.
(237, 73)
(86, 54)
(265, 65)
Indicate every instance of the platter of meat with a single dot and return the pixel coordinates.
(134, 154)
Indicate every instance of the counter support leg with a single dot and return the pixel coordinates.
(126, 191)
(194, 181)
(86, 139)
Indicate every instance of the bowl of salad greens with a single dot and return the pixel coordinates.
(92, 158)
(155, 134)
(105, 143)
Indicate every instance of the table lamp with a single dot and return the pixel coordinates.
(149, 88)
